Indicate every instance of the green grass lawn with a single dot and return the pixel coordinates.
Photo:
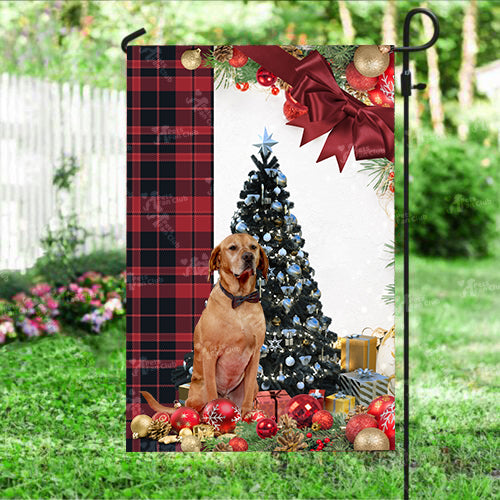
(63, 414)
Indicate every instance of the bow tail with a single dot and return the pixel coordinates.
(373, 138)
(339, 143)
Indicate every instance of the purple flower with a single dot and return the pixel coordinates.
(30, 328)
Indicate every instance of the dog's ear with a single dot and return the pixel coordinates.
(263, 262)
(214, 262)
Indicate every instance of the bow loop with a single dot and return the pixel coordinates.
(364, 373)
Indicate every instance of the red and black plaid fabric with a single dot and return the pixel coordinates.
(169, 219)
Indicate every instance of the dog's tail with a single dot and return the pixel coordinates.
(155, 405)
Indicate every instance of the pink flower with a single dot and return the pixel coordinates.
(40, 289)
(61, 289)
(95, 302)
(19, 297)
(73, 287)
(51, 303)
(42, 308)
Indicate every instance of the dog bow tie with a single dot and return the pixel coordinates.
(237, 300)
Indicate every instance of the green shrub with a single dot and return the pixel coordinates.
(108, 262)
(453, 197)
(12, 282)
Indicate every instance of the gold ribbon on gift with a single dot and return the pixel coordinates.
(379, 333)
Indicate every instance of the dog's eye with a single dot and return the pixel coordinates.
(232, 247)
(253, 247)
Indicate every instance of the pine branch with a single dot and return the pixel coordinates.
(378, 170)
(390, 249)
(389, 297)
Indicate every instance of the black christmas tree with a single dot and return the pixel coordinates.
(298, 353)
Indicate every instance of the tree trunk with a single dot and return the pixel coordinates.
(346, 20)
(466, 75)
(389, 34)
(436, 106)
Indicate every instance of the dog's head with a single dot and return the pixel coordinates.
(240, 255)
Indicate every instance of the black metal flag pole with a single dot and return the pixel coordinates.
(406, 88)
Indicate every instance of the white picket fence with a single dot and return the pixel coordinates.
(40, 121)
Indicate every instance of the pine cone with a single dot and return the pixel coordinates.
(283, 85)
(286, 422)
(357, 410)
(293, 51)
(158, 429)
(358, 94)
(223, 53)
(291, 440)
(223, 446)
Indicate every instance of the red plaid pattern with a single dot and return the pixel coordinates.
(169, 219)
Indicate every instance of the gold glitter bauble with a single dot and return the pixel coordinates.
(185, 432)
(369, 61)
(140, 425)
(192, 443)
(191, 59)
(276, 321)
(371, 439)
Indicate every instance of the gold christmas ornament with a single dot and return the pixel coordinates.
(385, 49)
(369, 61)
(140, 426)
(203, 431)
(185, 432)
(191, 59)
(169, 439)
(371, 439)
(192, 443)
(316, 426)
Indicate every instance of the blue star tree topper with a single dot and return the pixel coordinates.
(266, 144)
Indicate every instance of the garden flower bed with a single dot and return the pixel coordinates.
(92, 303)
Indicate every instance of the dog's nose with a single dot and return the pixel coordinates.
(247, 256)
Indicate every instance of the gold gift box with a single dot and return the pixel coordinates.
(358, 351)
(341, 404)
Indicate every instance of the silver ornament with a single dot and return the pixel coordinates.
(316, 295)
(276, 205)
(311, 308)
(312, 324)
(287, 305)
(281, 179)
(265, 384)
(296, 320)
(289, 333)
(289, 361)
(257, 218)
(276, 191)
(300, 385)
(241, 227)
(280, 276)
(294, 270)
(300, 254)
(251, 198)
(305, 360)
(309, 379)
(267, 237)
(282, 252)
(287, 290)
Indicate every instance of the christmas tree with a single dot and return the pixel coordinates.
(297, 354)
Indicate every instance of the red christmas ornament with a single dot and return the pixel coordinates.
(293, 109)
(379, 405)
(161, 416)
(265, 78)
(302, 408)
(239, 59)
(324, 418)
(254, 416)
(309, 435)
(275, 90)
(358, 423)
(184, 417)
(238, 444)
(383, 93)
(358, 81)
(387, 424)
(222, 414)
(266, 427)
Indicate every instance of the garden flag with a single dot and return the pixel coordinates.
(268, 170)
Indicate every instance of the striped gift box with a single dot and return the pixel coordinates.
(364, 384)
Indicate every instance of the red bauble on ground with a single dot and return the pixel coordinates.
(386, 423)
(379, 405)
(358, 423)
(254, 416)
(161, 416)
(184, 417)
(302, 408)
(379, 98)
(239, 59)
(222, 414)
(293, 109)
(265, 78)
(358, 81)
(266, 427)
(238, 444)
(324, 418)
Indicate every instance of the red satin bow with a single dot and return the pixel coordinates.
(370, 129)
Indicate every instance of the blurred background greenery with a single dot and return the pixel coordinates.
(454, 202)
